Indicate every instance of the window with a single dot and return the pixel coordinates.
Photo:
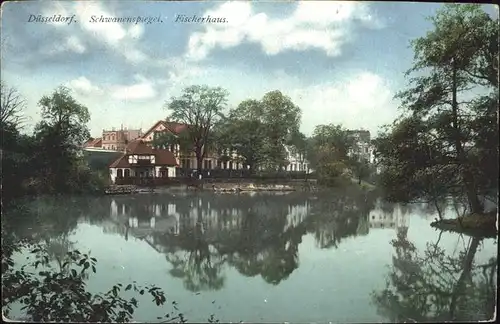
(127, 173)
(120, 173)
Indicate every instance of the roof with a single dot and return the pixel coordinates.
(93, 142)
(162, 157)
(138, 147)
(173, 127)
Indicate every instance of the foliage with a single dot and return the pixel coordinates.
(360, 168)
(200, 107)
(258, 130)
(50, 160)
(328, 149)
(243, 132)
(281, 117)
(60, 294)
(437, 147)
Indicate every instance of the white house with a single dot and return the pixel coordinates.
(141, 161)
(296, 161)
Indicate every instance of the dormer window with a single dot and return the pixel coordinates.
(132, 159)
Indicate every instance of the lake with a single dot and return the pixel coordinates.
(295, 257)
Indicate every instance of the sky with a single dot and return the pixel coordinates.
(340, 62)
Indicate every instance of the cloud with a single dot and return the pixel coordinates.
(140, 90)
(143, 89)
(364, 100)
(321, 25)
(116, 36)
(83, 86)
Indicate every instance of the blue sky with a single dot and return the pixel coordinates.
(341, 62)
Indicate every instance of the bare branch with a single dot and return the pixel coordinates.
(12, 104)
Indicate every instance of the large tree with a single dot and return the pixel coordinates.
(452, 88)
(244, 132)
(60, 134)
(200, 107)
(281, 117)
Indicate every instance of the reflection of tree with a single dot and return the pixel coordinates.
(199, 266)
(436, 286)
(340, 215)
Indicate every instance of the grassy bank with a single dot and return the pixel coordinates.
(476, 225)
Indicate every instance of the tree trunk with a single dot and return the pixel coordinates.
(467, 176)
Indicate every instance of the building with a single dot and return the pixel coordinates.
(188, 161)
(141, 161)
(93, 143)
(118, 139)
(362, 146)
(296, 161)
(115, 140)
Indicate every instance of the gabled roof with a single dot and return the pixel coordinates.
(162, 157)
(173, 127)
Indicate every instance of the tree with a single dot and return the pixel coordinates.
(297, 141)
(281, 117)
(200, 107)
(11, 106)
(59, 135)
(360, 167)
(328, 149)
(453, 62)
(16, 148)
(243, 132)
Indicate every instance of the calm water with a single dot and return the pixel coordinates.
(273, 258)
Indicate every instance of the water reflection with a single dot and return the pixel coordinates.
(204, 238)
(434, 285)
(257, 235)
(200, 235)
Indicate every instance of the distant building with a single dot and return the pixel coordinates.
(361, 145)
(115, 140)
(296, 161)
(118, 139)
(93, 143)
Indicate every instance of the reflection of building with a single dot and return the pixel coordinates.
(395, 218)
(297, 214)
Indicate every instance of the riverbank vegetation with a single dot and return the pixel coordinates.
(445, 142)
(48, 161)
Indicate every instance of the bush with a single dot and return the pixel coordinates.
(60, 294)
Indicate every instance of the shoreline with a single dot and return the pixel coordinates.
(476, 225)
